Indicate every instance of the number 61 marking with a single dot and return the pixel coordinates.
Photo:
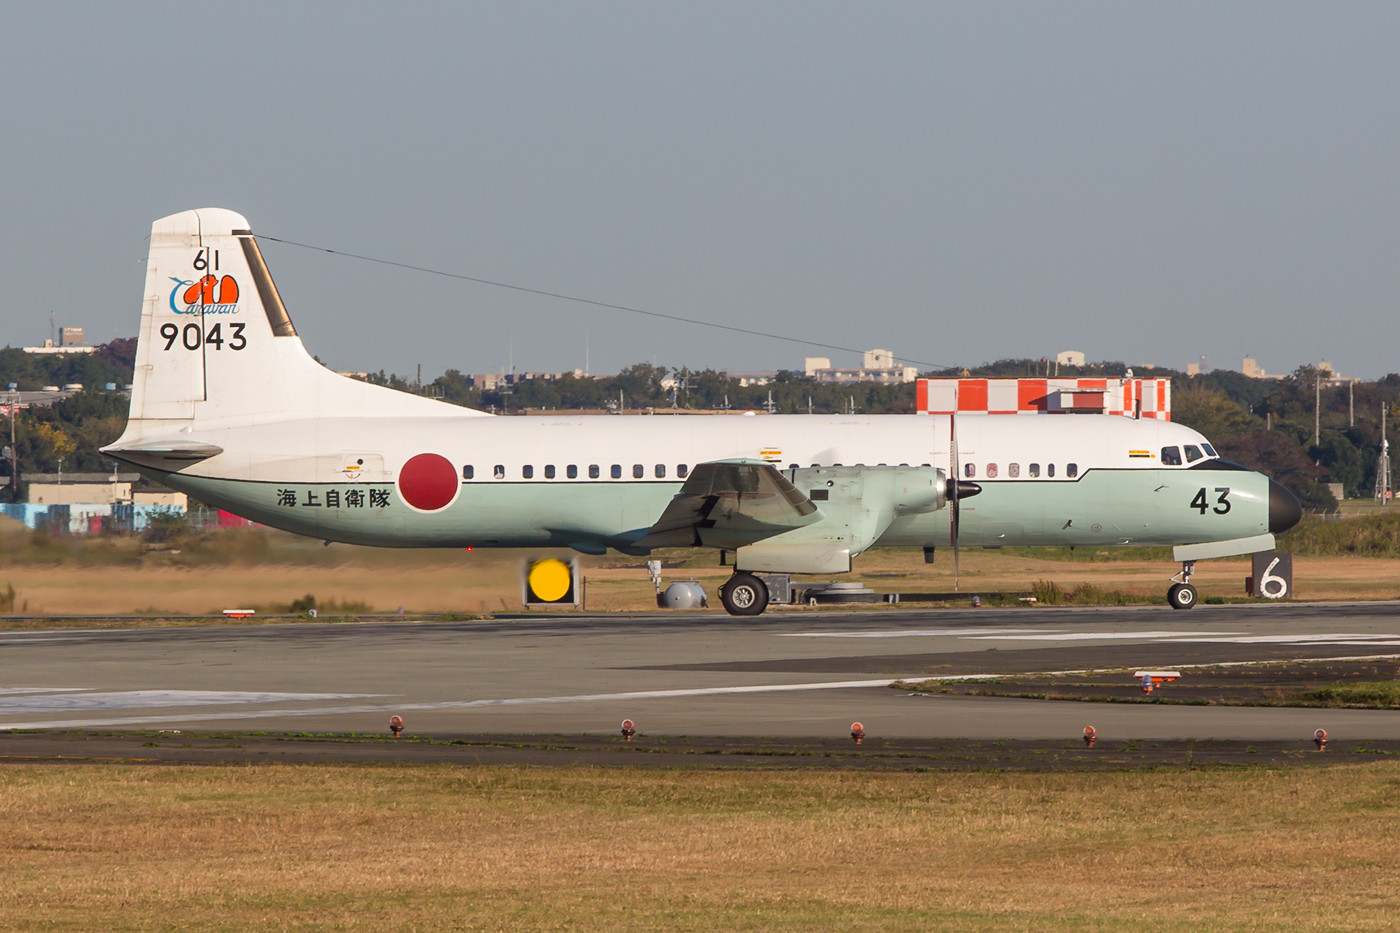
(1222, 501)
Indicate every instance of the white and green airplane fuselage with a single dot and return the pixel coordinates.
(229, 407)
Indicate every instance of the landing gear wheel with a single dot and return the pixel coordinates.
(744, 595)
(1181, 596)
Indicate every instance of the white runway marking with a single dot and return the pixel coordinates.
(1336, 638)
(51, 702)
(915, 633)
(443, 705)
(5, 690)
(1112, 636)
(1212, 638)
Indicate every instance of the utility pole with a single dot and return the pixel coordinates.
(1384, 488)
(1317, 407)
(1351, 404)
(11, 452)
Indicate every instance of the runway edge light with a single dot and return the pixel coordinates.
(549, 581)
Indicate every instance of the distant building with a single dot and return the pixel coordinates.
(76, 488)
(1251, 368)
(879, 359)
(1128, 396)
(760, 378)
(1334, 378)
(49, 348)
(504, 382)
(70, 340)
(878, 366)
(1069, 358)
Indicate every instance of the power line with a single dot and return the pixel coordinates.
(587, 301)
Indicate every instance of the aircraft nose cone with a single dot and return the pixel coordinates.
(1285, 510)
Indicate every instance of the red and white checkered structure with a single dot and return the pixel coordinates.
(1149, 398)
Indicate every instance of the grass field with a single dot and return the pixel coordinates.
(453, 848)
(270, 571)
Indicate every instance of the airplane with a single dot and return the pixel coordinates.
(229, 407)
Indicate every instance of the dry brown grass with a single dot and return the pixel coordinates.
(271, 570)
(438, 848)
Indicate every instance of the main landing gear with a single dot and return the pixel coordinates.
(744, 595)
(1182, 595)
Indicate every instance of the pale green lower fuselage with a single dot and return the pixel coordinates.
(1117, 496)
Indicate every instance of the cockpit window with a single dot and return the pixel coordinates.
(1210, 451)
(1171, 456)
(1193, 453)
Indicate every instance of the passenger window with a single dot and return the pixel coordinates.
(638, 471)
(500, 471)
(571, 471)
(527, 471)
(549, 471)
(1193, 453)
(991, 471)
(593, 471)
(661, 471)
(682, 470)
(1171, 456)
(468, 471)
(1013, 470)
(1034, 470)
(1050, 469)
(1071, 470)
(970, 470)
(617, 471)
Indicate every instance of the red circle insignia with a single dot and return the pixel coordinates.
(428, 482)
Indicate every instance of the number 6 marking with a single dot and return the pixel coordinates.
(1270, 586)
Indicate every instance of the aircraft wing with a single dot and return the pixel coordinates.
(731, 504)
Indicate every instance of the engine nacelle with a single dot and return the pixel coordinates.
(906, 490)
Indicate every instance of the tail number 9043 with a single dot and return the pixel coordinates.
(1222, 500)
(192, 336)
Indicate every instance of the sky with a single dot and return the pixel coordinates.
(959, 182)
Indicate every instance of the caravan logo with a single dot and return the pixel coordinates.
(209, 295)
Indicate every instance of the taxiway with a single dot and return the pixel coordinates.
(785, 674)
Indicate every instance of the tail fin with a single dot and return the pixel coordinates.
(216, 345)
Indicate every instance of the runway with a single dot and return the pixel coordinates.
(786, 674)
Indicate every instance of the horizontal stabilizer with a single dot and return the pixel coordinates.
(164, 455)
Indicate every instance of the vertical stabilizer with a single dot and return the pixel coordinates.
(217, 348)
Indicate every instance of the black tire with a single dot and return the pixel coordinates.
(1181, 596)
(744, 595)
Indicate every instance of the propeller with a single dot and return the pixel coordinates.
(954, 512)
(958, 489)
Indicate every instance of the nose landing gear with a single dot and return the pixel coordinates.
(1182, 595)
